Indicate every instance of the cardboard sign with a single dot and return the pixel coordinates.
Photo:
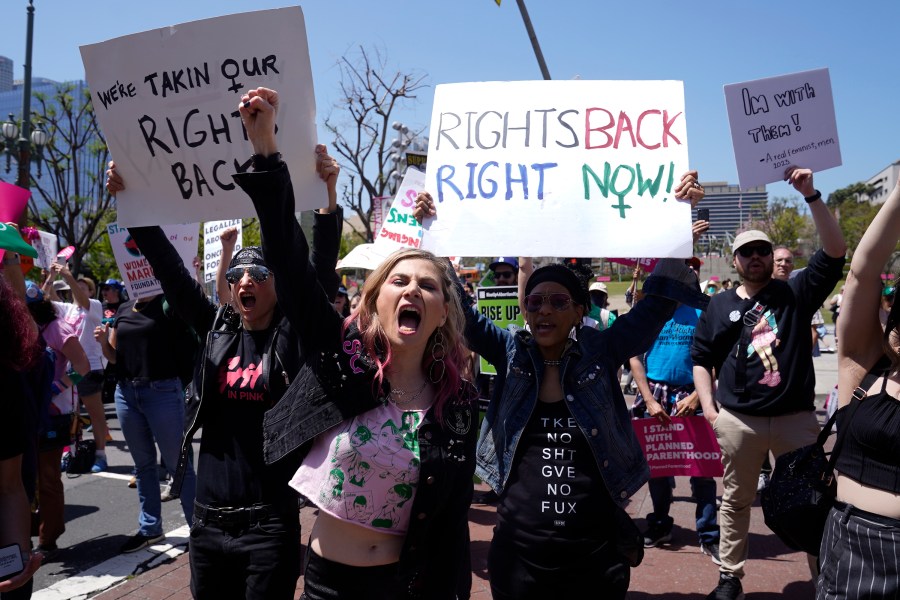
(212, 245)
(167, 103)
(781, 122)
(558, 168)
(687, 446)
(400, 229)
(500, 304)
(137, 274)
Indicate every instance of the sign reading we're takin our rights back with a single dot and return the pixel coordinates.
(558, 168)
(780, 122)
(167, 102)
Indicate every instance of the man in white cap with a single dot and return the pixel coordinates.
(599, 301)
(756, 338)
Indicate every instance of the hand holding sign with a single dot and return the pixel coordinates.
(801, 179)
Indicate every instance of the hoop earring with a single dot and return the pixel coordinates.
(437, 357)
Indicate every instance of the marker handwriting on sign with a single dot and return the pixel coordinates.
(757, 104)
(610, 183)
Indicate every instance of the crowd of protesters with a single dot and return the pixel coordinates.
(363, 403)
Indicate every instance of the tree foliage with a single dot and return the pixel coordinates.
(361, 125)
(785, 221)
(853, 216)
(71, 200)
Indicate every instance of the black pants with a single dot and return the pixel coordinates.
(600, 574)
(325, 579)
(253, 562)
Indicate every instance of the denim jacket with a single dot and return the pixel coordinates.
(589, 380)
(335, 383)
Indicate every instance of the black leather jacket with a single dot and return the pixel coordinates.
(338, 385)
(219, 329)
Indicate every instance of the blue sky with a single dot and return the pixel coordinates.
(705, 43)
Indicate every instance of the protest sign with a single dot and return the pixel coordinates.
(167, 102)
(558, 168)
(500, 304)
(646, 264)
(137, 274)
(13, 200)
(364, 256)
(47, 246)
(380, 206)
(212, 245)
(686, 446)
(780, 122)
(400, 229)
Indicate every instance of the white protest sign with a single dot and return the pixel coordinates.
(212, 245)
(400, 228)
(558, 168)
(137, 274)
(47, 246)
(780, 122)
(167, 103)
(364, 256)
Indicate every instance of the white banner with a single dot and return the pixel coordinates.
(167, 103)
(558, 168)
(212, 245)
(781, 122)
(137, 274)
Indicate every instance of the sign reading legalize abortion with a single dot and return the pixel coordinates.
(781, 122)
(167, 103)
(558, 168)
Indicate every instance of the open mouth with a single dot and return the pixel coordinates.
(543, 327)
(409, 320)
(247, 300)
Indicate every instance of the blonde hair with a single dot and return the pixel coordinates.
(376, 342)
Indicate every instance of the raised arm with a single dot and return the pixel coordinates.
(228, 239)
(859, 329)
(78, 294)
(826, 225)
(300, 294)
(526, 268)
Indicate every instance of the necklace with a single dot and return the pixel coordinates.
(134, 307)
(398, 394)
(552, 363)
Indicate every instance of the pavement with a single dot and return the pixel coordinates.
(676, 571)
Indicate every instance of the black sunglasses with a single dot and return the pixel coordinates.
(503, 274)
(560, 302)
(258, 273)
(747, 251)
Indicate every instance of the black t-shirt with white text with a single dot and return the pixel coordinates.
(231, 466)
(555, 498)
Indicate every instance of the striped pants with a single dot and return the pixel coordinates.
(860, 556)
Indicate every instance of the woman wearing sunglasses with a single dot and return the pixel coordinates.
(557, 444)
(385, 421)
(245, 537)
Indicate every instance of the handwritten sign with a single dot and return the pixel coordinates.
(400, 229)
(500, 304)
(47, 246)
(136, 271)
(167, 103)
(558, 168)
(212, 245)
(687, 446)
(780, 122)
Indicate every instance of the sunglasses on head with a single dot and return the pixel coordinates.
(534, 302)
(747, 251)
(257, 273)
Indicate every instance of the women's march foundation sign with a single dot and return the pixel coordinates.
(167, 102)
(137, 274)
(558, 168)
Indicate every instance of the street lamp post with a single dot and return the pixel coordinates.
(404, 141)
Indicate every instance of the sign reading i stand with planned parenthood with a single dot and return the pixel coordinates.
(167, 102)
(782, 122)
(558, 168)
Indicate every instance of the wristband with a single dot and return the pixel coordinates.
(74, 376)
(813, 198)
(266, 163)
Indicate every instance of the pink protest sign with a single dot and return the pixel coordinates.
(686, 446)
(12, 202)
(646, 264)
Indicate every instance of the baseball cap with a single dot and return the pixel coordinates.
(505, 260)
(115, 283)
(60, 286)
(342, 291)
(753, 235)
(33, 293)
(694, 262)
(249, 255)
(598, 286)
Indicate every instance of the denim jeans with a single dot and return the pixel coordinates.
(147, 411)
(703, 489)
(256, 562)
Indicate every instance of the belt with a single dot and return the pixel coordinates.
(229, 516)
